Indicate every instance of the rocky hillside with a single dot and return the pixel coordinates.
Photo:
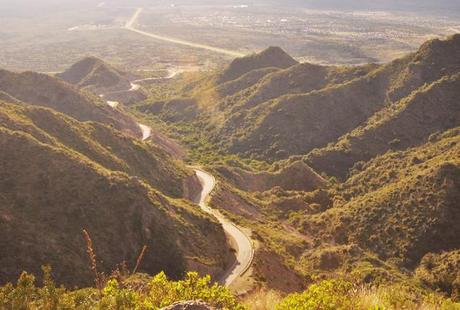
(296, 123)
(420, 185)
(43, 90)
(393, 216)
(101, 144)
(59, 176)
(409, 122)
(293, 109)
(339, 171)
(400, 206)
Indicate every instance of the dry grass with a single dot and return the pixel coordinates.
(323, 296)
(121, 272)
(262, 300)
(99, 278)
(401, 297)
(139, 259)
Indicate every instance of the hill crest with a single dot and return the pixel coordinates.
(95, 73)
(270, 57)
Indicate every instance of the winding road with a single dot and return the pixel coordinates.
(245, 248)
(242, 242)
(130, 26)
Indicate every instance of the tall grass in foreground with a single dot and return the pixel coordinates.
(262, 300)
(342, 295)
(124, 289)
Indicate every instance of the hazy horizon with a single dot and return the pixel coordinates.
(324, 32)
(230, 154)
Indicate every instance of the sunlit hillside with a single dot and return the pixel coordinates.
(260, 155)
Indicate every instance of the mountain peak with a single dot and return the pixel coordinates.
(273, 56)
(90, 62)
(92, 71)
(439, 48)
(274, 51)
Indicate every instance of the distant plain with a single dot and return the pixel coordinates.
(50, 38)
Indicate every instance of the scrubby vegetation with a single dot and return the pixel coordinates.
(343, 295)
(441, 272)
(381, 142)
(43, 90)
(360, 213)
(397, 127)
(283, 112)
(139, 291)
(99, 143)
(135, 292)
(375, 228)
(59, 175)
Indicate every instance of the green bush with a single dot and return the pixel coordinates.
(343, 295)
(326, 295)
(153, 294)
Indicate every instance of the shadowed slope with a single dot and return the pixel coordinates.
(43, 90)
(55, 180)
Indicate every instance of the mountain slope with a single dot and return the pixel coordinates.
(296, 176)
(407, 123)
(100, 143)
(377, 227)
(303, 78)
(389, 133)
(94, 73)
(294, 110)
(297, 123)
(400, 205)
(270, 57)
(43, 90)
(50, 191)
(103, 80)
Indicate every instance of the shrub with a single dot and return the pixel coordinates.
(441, 272)
(164, 292)
(152, 295)
(326, 295)
(340, 294)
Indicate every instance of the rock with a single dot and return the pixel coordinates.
(189, 305)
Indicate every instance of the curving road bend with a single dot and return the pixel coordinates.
(245, 249)
(146, 131)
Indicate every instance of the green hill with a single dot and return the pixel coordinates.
(400, 205)
(270, 57)
(271, 114)
(340, 171)
(43, 90)
(59, 176)
(406, 123)
(91, 72)
(99, 143)
(104, 80)
(296, 123)
(296, 176)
